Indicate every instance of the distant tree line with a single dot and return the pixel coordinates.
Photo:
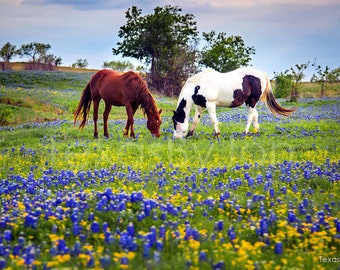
(39, 57)
(287, 83)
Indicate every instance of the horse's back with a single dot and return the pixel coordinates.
(107, 84)
(219, 87)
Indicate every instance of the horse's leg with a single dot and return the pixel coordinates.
(132, 132)
(105, 117)
(196, 120)
(129, 121)
(252, 116)
(95, 116)
(211, 107)
(256, 121)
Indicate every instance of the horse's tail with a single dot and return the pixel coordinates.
(272, 105)
(83, 106)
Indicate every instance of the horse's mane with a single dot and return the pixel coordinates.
(142, 95)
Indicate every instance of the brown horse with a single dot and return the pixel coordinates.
(119, 89)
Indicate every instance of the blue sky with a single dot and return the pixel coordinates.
(283, 32)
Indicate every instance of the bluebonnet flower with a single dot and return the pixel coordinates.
(105, 261)
(219, 225)
(291, 216)
(146, 249)
(278, 248)
(62, 247)
(219, 266)
(3, 263)
(231, 233)
(131, 229)
(95, 228)
(263, 226)
(8, 235)
(202, 255)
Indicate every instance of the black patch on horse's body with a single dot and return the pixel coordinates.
(250, 93)
(199, 99)
(239, 98)
(179, 114)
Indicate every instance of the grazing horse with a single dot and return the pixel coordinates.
(210, 89)
(119, 89)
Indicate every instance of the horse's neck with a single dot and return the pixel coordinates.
(149, 106)
(186, 94)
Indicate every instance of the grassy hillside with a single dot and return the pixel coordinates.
(37, 96)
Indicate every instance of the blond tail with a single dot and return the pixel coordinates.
(271, 103)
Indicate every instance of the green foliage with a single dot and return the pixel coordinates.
(80, 63)
(324, 76)
(225, 53)
(8, 51)
(118, 65)
(166, 40)
(34, 50)
(297, 74)
(283, 85)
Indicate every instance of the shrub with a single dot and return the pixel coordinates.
(283, 85)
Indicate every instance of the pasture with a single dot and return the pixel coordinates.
(269, 200)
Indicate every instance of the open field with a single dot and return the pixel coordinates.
(269, 200)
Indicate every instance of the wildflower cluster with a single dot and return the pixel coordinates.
(218, 217)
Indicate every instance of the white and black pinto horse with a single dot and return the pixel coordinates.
(210, 89)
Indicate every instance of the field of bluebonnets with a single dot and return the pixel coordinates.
(269, 200)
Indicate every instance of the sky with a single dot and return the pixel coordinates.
(283, 32)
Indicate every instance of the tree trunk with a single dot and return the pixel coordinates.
(294, 95)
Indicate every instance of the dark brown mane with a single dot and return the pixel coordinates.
(142, 94)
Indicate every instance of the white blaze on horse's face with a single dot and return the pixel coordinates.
(181, 130)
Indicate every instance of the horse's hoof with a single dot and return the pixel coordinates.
(217, 134)
(190, 133)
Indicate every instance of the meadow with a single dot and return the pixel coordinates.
(267, 200)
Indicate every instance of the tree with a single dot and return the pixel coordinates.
(34, 50)
(7, 52)
(160, 39)
(80, 63)
(118, 65)
(57, 61)
(225, 53)
(334, 75)
(297, 74)
(283, 84)
(321, 77)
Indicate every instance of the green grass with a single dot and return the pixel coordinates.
(53, 167)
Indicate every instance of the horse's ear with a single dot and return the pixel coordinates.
(160, 111)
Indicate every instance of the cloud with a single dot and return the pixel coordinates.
(91, 4)
(283, 32)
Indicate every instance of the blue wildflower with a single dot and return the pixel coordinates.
(202, 256)
(278, 248)
(95, 228)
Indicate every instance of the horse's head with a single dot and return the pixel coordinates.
(154, 123)
(180, 125)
